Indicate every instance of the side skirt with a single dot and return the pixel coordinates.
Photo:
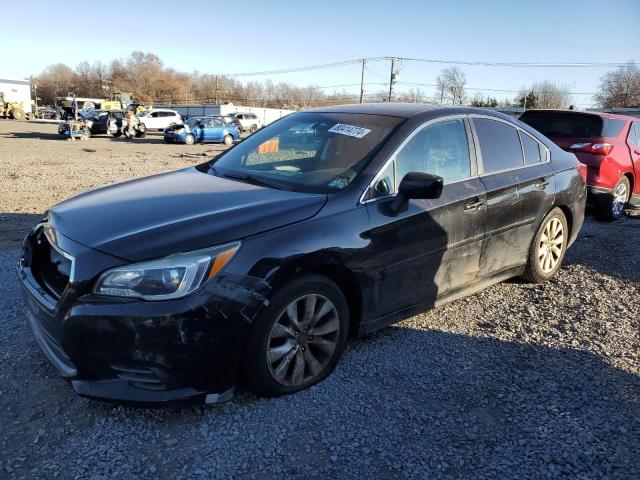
(448, 297)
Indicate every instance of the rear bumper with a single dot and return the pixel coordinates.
(598, 195)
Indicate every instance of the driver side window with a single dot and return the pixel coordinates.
(440, 149)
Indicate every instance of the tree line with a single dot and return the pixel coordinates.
(150, 81)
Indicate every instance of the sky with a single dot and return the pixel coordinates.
(251, 36)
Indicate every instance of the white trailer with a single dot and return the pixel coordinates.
(18, 91)
(266, 115)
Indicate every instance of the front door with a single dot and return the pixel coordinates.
(433, 246)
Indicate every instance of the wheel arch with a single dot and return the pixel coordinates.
(343, 277)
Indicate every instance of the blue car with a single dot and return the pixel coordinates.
(202, 129)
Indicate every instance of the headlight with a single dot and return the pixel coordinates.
(167, 278)
(89, 123)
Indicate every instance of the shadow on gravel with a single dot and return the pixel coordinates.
(14, 226)
(609, 248)
(34, 135)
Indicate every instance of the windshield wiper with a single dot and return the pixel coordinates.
(253, 180)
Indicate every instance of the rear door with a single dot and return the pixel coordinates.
(518, 193)
(432, 247)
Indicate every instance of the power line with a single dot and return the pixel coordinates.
(432, 60)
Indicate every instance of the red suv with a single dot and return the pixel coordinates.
(609, 145)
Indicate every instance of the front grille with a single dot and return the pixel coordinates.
(140, 376)
(50, 268)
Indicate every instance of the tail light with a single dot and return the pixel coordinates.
(596, 148)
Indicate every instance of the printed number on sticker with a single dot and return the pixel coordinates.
(349, 130)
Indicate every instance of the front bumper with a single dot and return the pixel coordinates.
(140, 352)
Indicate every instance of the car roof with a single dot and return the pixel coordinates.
(406, 110)
(583, 112)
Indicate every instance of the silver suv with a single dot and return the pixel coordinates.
(249, 121)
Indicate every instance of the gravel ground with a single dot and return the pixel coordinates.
(518, 381)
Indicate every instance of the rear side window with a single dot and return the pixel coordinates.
(634, 133)
(572, 125)
(499, 145)
(532, 149)
(441, 149)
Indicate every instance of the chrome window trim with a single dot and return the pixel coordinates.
(476, 146)
(392, 157)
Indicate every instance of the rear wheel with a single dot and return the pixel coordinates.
(548, 248)
(253, 128)
(142, 127)
(17, 114)
(190, 140)
(613, 207)
(298, 339)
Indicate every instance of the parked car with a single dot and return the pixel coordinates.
(235, 121)
(609, 145)
(106, 122)
(202, 129)
(249, 121)
(48, 113)
(257, 266)
(158, 119)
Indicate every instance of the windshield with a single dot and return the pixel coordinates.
(309, 151)
(572, 125)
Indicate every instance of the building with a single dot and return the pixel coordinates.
(17, 91)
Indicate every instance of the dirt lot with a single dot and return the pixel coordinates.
(39, 168)
(518, 381)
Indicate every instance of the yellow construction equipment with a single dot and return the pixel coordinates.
(9, 109)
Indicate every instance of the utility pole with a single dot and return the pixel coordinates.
(392, 77)
(364, 61)
(216, 91)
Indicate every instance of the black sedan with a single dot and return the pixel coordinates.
(107, 122)
(255, 269)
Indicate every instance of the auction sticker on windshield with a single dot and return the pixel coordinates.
(349, 130)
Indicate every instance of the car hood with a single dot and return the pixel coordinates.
(175, 212)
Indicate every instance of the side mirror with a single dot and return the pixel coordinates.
(417, 185)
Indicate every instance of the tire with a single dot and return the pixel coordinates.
(17, 114)
(87, 133)
(228, 140)
(142, 127)
(305, 363)
(190, 139)
(548, 248)
(253, 128)
(613, 208)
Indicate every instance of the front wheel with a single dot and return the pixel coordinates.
(253, 128)
(298, 339)
(142, 128)
(548, 248)
(17, 114)
(613, 208)
(228, 140)
(190, 140)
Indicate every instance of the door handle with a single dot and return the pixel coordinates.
(540, 184)
(474, 205)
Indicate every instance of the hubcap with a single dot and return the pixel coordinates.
(551, 245)
(619, 199)
(303, 340)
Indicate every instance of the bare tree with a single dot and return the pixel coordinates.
(451, 85)
(544, 94)
(620, 88)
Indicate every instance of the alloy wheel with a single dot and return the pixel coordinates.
(303, 340)
(619, 199)
(550, 245)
